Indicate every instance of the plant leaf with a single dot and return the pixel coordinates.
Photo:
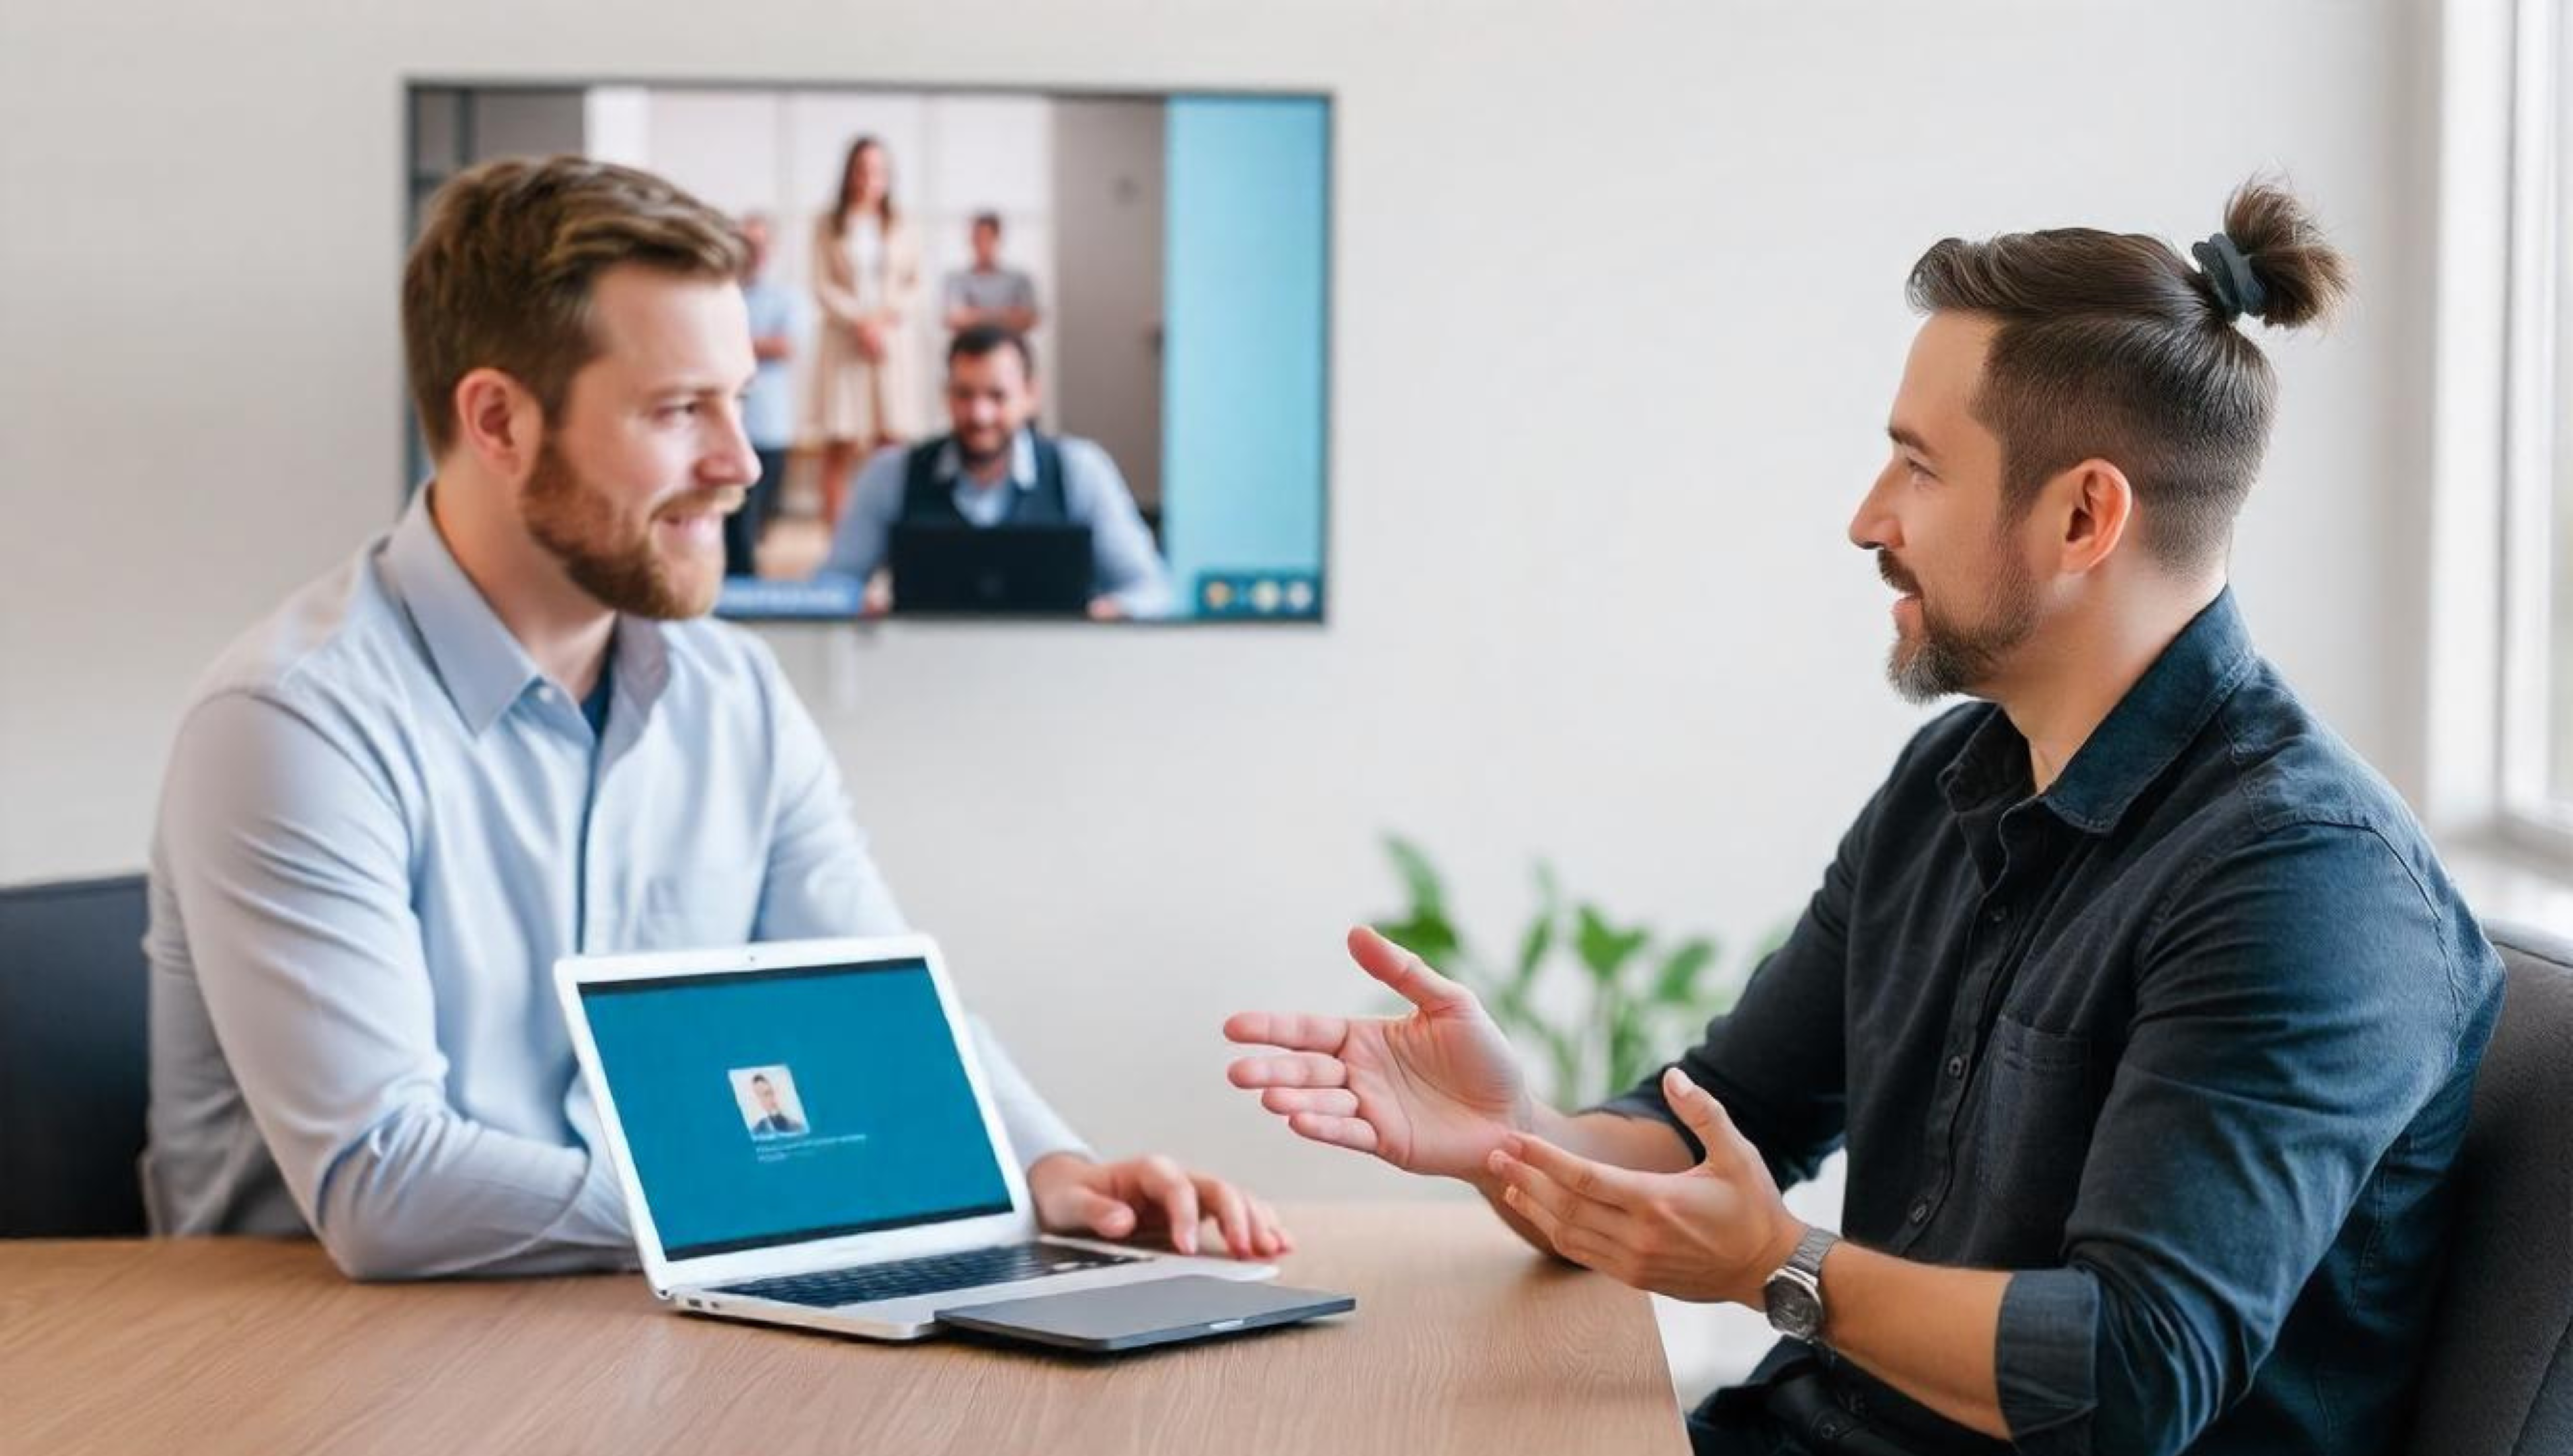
(1677, 983)
(1539, 939)
(1604, 949)
(1419, 878)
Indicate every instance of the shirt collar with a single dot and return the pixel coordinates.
(1023, 461)
(480, 662)
(2138, 739)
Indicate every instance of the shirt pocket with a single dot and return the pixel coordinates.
(2036, 1107)
(698, 910)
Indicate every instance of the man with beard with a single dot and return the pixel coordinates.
(500, 735)
(996, 470)
(2141, 1006)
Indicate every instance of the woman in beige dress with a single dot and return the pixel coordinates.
(866, 275)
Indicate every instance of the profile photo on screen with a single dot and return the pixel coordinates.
(769, 1105)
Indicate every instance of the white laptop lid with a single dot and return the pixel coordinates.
(794, 1105)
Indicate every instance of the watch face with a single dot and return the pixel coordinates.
(1794, 1308)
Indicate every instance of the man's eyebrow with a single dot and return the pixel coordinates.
(1911, 440)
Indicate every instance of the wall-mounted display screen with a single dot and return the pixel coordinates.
(1024, 354)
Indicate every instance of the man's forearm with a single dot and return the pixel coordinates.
(1926, 1331)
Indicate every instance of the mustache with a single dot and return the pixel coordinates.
(1894, 575)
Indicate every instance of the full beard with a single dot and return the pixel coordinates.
(1954, 657)
(612, 556)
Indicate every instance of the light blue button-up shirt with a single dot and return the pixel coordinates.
(381, 826)
(1127, 565)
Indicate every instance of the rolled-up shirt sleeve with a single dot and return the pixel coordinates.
(289, 862)
(2280, 1041)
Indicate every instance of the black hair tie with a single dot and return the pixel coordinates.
(2237, 288)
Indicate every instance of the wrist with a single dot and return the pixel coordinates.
(1792, 1296)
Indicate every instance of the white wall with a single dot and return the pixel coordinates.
(1618, 314)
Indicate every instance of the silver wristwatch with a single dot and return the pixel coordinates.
(1793, 1296)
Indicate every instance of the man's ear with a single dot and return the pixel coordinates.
(500, 421)
(2095, 504)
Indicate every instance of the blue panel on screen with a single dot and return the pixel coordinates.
(780, 1106)
(1243, 379)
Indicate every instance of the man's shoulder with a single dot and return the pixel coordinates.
(2285, 767)
(1086, 463)
(336, 645)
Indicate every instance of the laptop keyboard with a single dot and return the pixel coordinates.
(999, 1264)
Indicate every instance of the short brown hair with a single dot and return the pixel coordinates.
(2112, 345)
(502, 273)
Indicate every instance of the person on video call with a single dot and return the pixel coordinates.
(774, 1120)
(995, 470)
(987, 294)
(2143, 1006)
(500, 734)
(865, 384)
(767, 414)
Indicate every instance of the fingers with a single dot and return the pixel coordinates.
(1163, 1183)
(1334, 1102)
(1578, 1176)
(1294, 1068)
(1269, 1237)
(1294, 1032)
(1355, 1134)
(1231, 1211)
(1101, 1215)
(1407, 974)
(1533, 1190)
(1698, 1109)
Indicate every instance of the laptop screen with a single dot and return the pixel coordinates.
(775, 1106)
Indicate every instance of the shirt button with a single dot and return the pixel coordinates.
(1956, 1066)
(1921, 1211)
(1997, 913)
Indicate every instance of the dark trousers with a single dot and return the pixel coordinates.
(1788, 1411)
(742, 528)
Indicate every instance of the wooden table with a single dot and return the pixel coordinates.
(1463, 1341)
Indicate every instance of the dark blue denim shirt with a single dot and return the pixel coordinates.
(2185, 1042)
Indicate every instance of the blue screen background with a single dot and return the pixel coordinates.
(894, 1134)
(1247, 249)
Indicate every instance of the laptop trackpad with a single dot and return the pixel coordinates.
(1153, 1312)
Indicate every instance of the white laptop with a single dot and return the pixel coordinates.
(805, 1138)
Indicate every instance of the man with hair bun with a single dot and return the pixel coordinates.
(2146, 1012)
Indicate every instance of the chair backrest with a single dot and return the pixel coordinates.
(73, 1057)
(2499, 1375)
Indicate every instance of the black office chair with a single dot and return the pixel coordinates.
(73, 1056)
(2500, 1382)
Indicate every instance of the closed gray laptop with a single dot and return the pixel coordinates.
(1134, 1316)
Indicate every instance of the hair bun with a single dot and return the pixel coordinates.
(2297, 278)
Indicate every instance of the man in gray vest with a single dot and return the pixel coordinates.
(995, 470)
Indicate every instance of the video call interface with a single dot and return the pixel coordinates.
(1150, 441)
(766, 1108)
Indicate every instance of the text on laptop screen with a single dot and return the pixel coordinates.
(768, 1108)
